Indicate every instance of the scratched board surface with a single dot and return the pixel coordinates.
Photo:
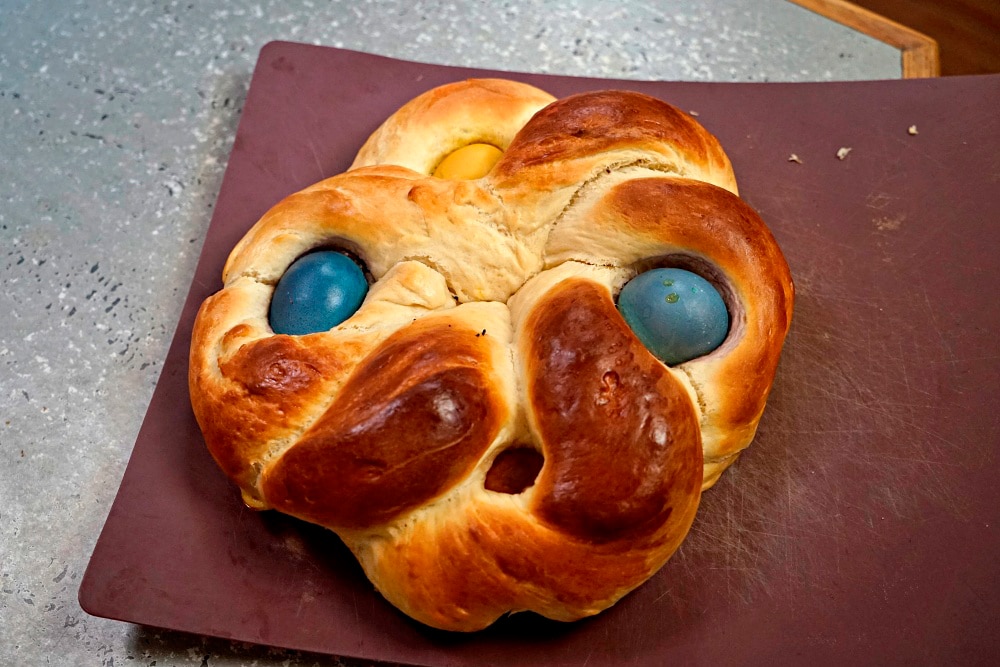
(862, 524)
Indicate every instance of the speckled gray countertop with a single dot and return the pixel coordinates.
(117, 119)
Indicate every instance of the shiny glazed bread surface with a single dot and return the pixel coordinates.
(486, 433)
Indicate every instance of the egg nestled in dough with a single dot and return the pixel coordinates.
(468, 162)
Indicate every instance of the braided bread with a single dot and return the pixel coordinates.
(486, 432)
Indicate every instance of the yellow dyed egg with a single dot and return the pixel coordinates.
(469, 162)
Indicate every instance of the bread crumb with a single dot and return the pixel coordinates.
(888, 223)
(693, 113)
(842, 153)
(794, 158)
(912, 131)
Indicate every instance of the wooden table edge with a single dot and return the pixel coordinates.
(919, 53)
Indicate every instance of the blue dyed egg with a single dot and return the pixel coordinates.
(678, 315)
(318, 291)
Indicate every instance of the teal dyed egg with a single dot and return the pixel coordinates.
(678, 315)
(318, 291)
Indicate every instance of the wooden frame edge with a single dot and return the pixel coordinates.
(919, 53)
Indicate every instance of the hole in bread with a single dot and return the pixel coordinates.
(514, 470)
(468, 162)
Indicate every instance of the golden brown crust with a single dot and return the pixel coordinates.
(259, 394)
(413, 419)
(463, 570)
(486, 433)
(582, 138)
(605, 410)
(431, 126)
(588, 124)
(665, 221)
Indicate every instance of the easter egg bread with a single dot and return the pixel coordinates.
(481, 424)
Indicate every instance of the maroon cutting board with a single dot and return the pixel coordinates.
(863, 524)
